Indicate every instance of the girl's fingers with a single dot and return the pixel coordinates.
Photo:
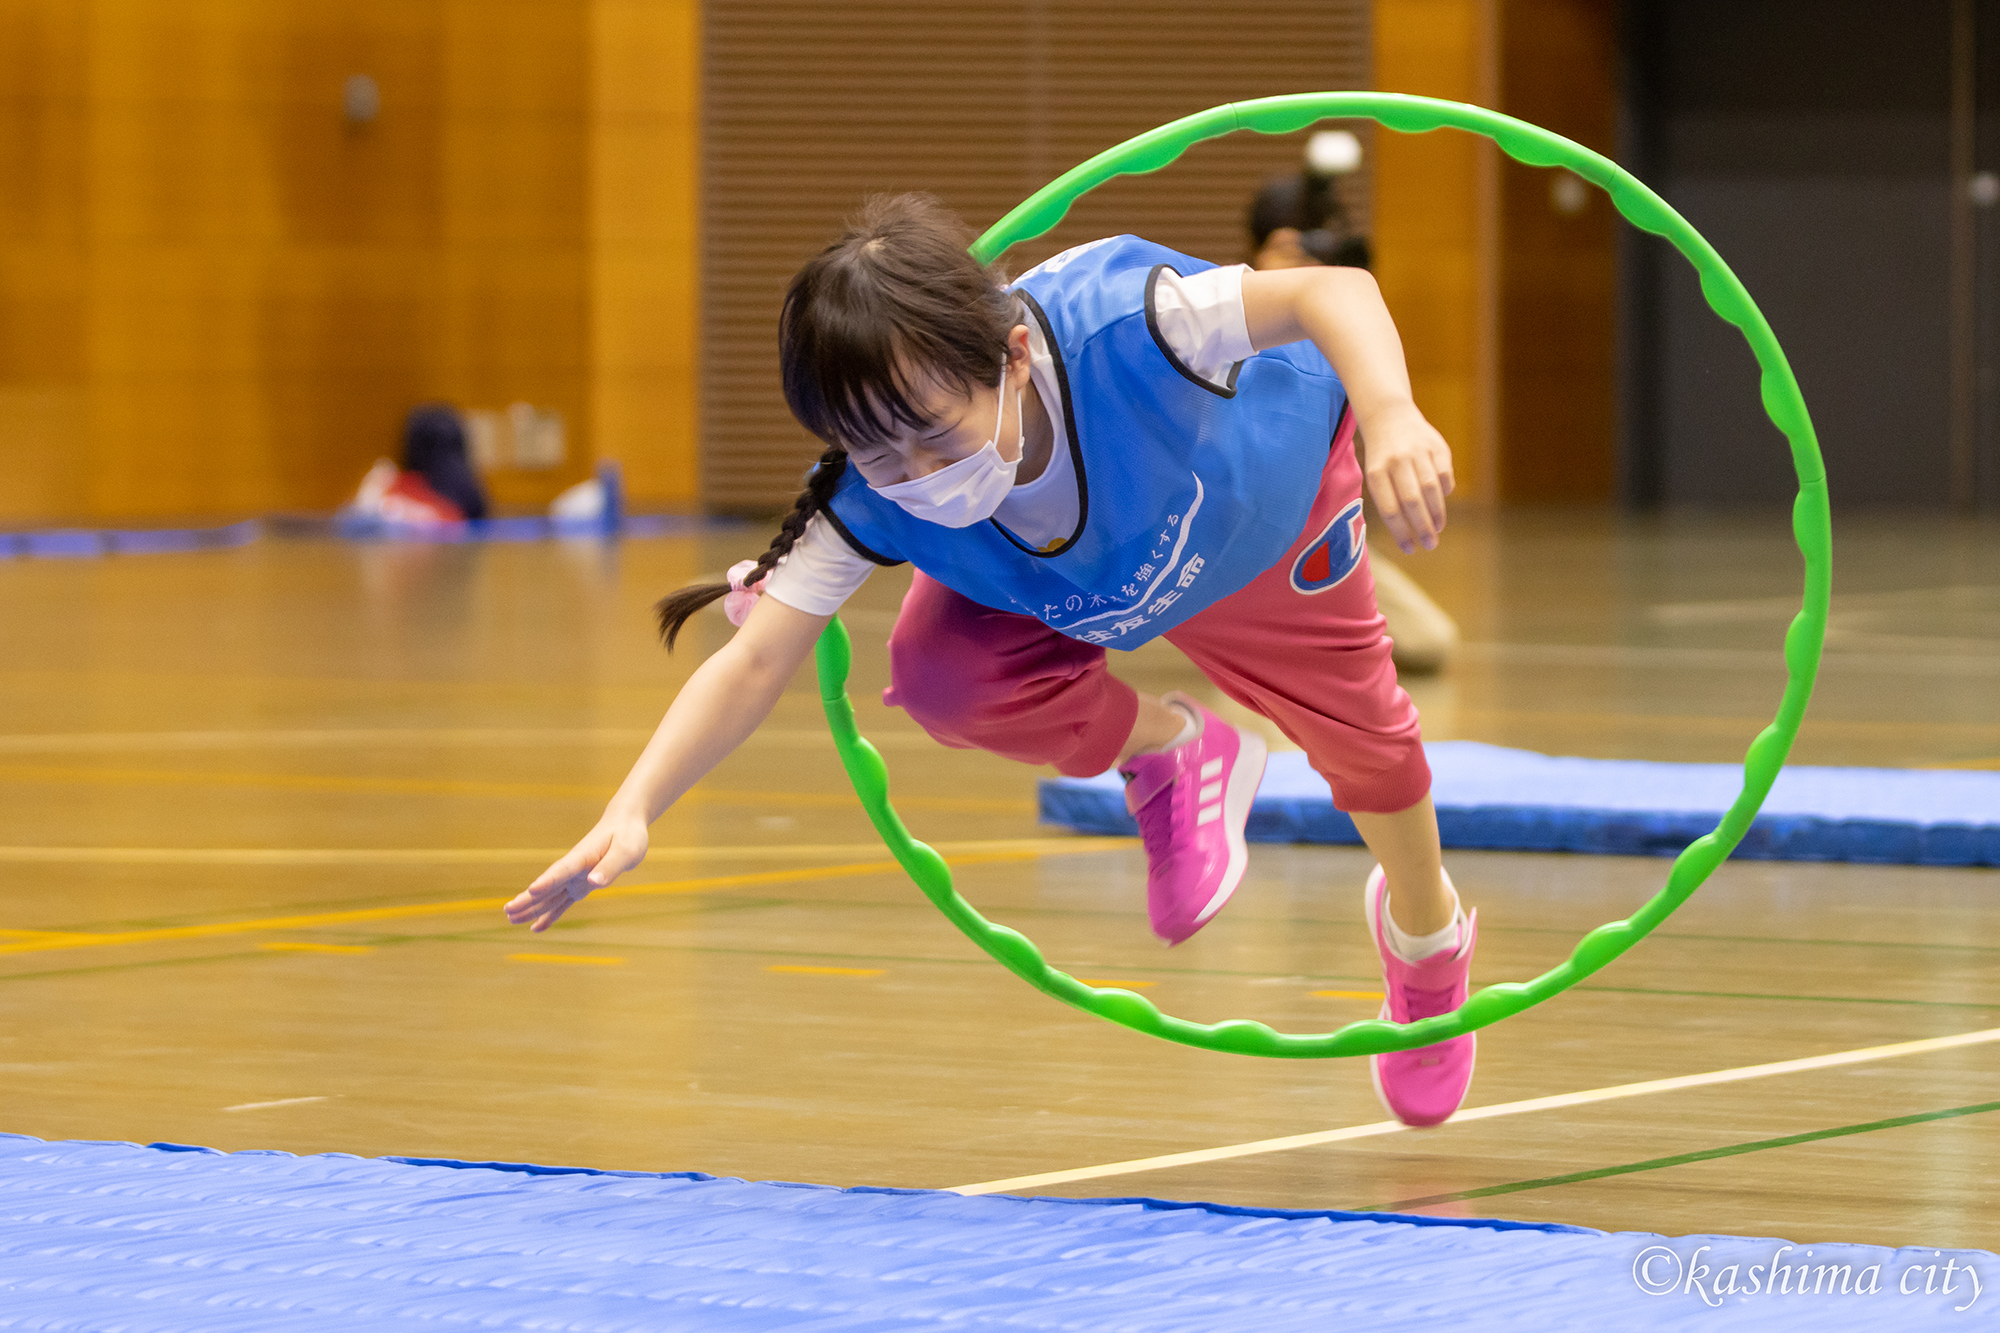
(1408, 479)
(1433, 493)
(1439, 467)
(1407, 502)
(528, 906)
(1383, 492)
(557, 905)
(534, 899)
(591, 864)
(571, 864)
(1414, 509)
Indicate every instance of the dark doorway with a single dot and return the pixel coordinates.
(1812, 141)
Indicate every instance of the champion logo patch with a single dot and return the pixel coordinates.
(1333, 555)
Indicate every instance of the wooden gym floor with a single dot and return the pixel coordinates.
(258, 809)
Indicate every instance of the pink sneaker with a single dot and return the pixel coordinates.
(1424, 1086)
(1191, 803)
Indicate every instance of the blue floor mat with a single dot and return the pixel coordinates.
(115, 1238)
(529, 528)
(1517, 800)
(74, 543)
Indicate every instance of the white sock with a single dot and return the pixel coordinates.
(1415, 948)
(1187, 732)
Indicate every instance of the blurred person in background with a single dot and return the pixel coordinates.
(1298, 220)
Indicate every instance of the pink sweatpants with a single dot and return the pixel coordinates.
(1316, 664)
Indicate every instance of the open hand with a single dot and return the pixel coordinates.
(1408, 468)
(616, 845)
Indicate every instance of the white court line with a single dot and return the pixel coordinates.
(285, 1101)
(1019, 1183)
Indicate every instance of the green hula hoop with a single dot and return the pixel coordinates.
(1811, 526)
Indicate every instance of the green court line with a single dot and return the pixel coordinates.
(1837, 944)
(58, 972)
(1359, 924)
(1801, 999)
(1682, 1159)
(499, 934)
(695, 906)
(1501, 929)
(914, 903)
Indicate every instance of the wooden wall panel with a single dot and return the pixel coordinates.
(1435, 226)
(1558, 333)
(216, 296)
(515, 248)
(809, 107)
(645, 302)
(44, 140)
(1506, 302)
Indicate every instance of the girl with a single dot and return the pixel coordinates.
(1123, 444)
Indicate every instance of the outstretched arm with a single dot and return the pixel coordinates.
(718, 708)
(1407, 463)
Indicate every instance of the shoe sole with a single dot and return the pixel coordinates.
(1375, 1078)
(1245, 776)
(1370, 901)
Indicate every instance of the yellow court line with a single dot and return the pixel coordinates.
(380, 786)
(1346, 994)
(112, 742)
(1122, 985)
(1016, 1184)
(826, 971)
(408, 911)
(136, 777)
(115, 742)
(294, 856)
(591, 959)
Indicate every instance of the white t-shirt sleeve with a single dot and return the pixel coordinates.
(822, 571)
(1201, 318)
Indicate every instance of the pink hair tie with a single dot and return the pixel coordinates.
(736, 603)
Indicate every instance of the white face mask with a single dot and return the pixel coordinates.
(969, 490)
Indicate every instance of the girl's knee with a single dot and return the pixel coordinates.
(1395, 786)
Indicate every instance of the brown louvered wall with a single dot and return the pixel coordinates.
(808, 107)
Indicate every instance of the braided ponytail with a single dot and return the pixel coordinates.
(673, 610)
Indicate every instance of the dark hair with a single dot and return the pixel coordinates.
(894, 303)
(1309, 203)
(895, 306)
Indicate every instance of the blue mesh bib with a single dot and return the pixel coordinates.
(1187, 489)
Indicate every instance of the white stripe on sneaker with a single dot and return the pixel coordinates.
(1209, 815)
(1244, 777)
(1211, 769)
(1212, 792)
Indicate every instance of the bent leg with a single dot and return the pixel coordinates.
(1311, 656)
(980, 679)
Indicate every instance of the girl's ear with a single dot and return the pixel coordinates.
(1018, 358)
